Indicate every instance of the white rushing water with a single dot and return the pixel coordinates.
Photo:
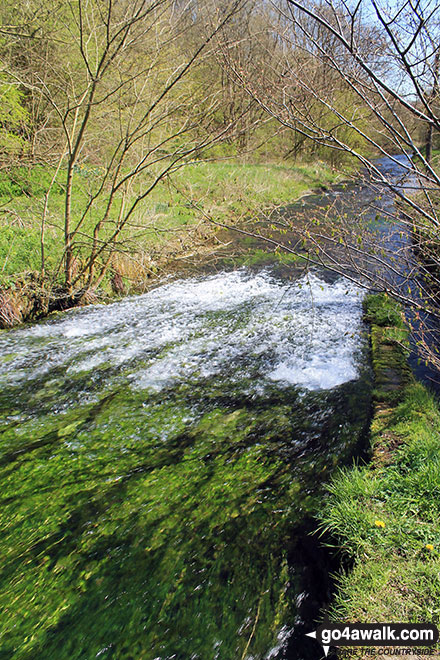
(304, 333)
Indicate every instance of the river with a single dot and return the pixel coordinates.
(163, 459)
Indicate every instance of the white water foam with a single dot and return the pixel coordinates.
(303, 333)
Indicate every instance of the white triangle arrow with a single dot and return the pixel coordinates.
(326, 648)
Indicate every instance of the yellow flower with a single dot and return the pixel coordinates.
(379, 523)
(429, 546)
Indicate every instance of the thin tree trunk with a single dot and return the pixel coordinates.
(68, 256)
(428, 145)
(434, 97)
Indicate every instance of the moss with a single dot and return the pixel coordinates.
(389, 346)
(381, 310)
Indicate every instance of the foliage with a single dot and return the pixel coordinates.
(13, 117)
(31, 181)
(112, 113)
(363, 83)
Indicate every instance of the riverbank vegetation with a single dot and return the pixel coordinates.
(105, 108)
(226, 190)
(385, 515)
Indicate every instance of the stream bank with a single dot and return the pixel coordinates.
(171, 233)
(384, 516)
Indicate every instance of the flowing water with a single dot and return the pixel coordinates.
(161, 460)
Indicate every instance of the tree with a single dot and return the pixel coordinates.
(361, 79)
(119, 106)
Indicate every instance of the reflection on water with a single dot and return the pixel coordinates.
(161, 460)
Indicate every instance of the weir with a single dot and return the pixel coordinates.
(162, 459)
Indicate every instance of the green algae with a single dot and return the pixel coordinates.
(148, 525)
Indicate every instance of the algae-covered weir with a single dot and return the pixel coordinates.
(161, 460)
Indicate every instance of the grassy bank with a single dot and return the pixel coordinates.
(385, 515)
(165, 226)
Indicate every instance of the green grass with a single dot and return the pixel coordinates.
(385, 516)
(225, 191)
